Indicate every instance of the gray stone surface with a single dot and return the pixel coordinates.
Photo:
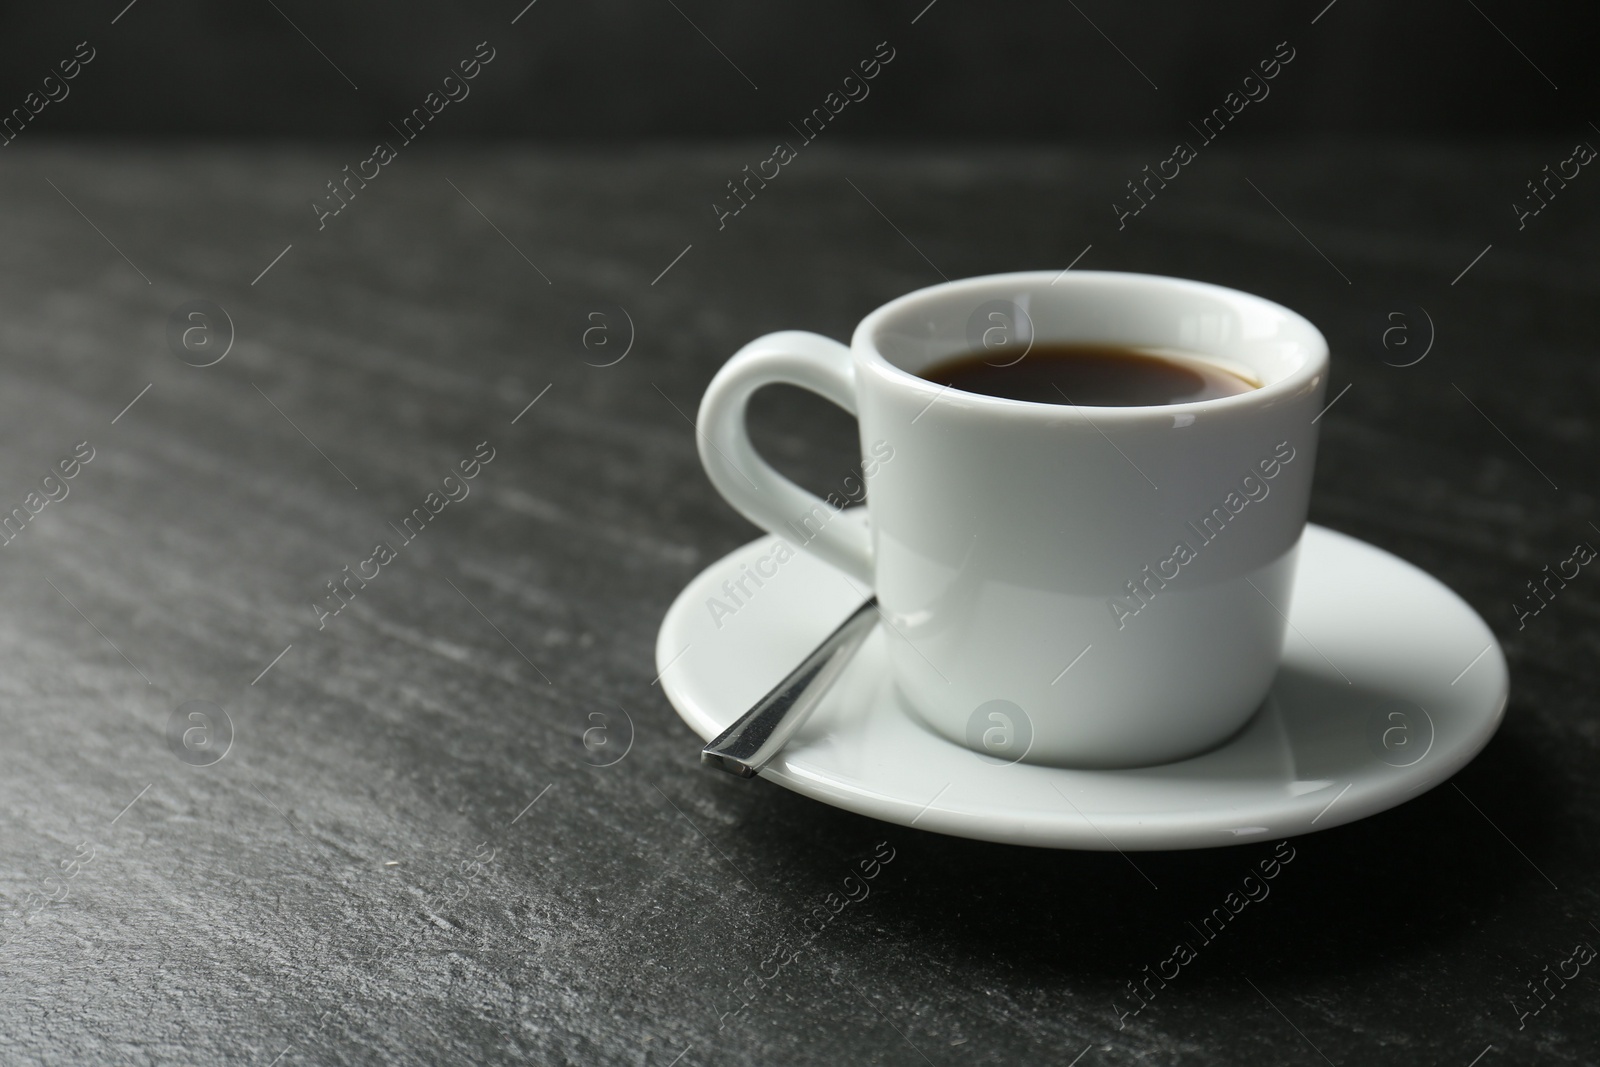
(361, 879)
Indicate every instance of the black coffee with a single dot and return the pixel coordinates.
(1093, 375)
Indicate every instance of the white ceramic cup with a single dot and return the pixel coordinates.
(1077, 586)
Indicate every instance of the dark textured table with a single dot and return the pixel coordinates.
(408, 852)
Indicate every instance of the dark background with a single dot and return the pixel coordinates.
(302, 901)
(642, 69)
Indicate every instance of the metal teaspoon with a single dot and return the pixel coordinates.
(760, 733)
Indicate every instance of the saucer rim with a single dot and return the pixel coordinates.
(1177, 828)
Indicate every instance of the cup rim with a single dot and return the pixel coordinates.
(863, 343)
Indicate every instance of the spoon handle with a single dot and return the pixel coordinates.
(760, 733)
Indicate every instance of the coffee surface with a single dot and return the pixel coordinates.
(1093, 375)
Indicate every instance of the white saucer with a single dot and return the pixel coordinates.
(1426, 689)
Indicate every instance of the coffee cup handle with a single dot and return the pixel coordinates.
(745, 480)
